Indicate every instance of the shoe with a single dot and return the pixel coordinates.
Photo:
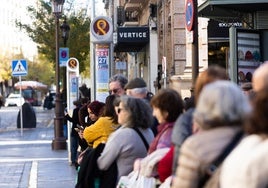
(76, 165)
(72, 163)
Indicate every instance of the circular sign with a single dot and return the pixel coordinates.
(101, 29)
(72, 64)
(63, 54)
(189, 14)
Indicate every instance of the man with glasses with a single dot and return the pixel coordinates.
(117, 84)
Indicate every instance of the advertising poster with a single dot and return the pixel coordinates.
(73, 89)
(248, 45)
(245, 54)
(102, 72)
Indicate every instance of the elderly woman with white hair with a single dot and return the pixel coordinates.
(219, 116)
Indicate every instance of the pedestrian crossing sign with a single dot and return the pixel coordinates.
(19, 68)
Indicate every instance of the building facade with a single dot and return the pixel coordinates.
(163, 60)
(166, 60)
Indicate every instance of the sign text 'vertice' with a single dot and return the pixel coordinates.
(133, 34)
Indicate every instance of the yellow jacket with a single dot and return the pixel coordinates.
(99, 131)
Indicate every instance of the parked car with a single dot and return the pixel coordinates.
(14, 100)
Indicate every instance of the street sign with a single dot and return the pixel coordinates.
(189, 14)
(101, 29)
(19, 67)
(64, 56)
(73, 65)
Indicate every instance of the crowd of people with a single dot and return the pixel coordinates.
(215, 138)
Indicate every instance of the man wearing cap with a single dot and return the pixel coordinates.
(137, 88)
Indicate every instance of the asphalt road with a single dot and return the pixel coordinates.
(26, 157)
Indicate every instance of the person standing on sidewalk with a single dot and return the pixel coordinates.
(74, 133)
(99, 131)
(94, 111)
(137, 88)
(125, 145)
(117, 84)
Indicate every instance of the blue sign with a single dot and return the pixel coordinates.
(19, 67)
(63, 56)
(189, 14)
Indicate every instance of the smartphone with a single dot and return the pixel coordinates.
(76, 129)
(80, 127)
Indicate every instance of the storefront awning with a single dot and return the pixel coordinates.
(131, 39)
(230, 9)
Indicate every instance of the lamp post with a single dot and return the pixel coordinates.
(59, 141)
(65, 28)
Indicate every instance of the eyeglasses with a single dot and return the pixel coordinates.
(114, 91)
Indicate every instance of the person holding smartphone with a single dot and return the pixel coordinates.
(74, 132)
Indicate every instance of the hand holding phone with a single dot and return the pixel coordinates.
(80, 127)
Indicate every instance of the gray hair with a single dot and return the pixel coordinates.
(139, 110)
(120, 78)
(221, 103)
(141, 90)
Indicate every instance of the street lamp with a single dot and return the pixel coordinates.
(65, 28)
(59, 142)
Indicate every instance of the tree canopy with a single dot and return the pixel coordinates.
(42, 32)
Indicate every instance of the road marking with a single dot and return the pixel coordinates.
(50, 123)
(33, 175)
(23, 142)
(15, 160)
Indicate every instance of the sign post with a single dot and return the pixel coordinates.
(20, 68)
(102, 38)
(72, 75)
(191, 22)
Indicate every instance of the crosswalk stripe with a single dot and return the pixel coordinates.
(15, 160)
(33, 175)
(21, 142)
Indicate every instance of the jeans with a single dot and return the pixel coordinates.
(74, 147)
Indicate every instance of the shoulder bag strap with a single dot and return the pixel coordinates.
(216, 163)
(142, 137)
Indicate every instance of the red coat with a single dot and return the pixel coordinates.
(164, 167)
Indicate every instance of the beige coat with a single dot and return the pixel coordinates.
(197, 152)
(247, 165)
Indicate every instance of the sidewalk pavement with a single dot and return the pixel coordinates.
(27, 160)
